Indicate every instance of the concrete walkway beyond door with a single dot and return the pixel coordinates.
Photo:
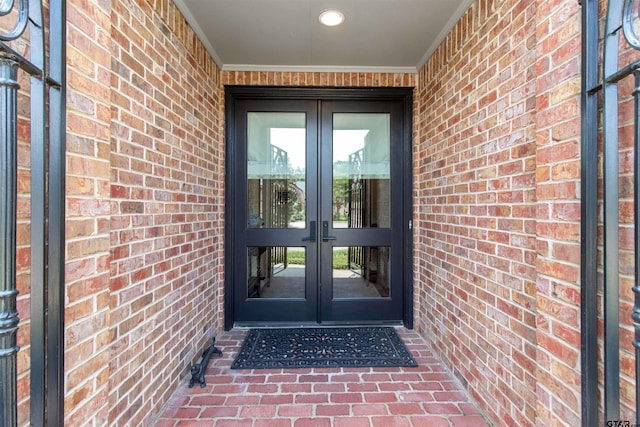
(427, 395)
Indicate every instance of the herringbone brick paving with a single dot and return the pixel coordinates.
(427, 395)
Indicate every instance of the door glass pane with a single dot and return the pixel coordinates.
(276, 272)
(361, 272)
(276, 170)
(361, 170)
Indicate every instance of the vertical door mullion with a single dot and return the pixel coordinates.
(315, 147)
(312, 208)
(326, 187)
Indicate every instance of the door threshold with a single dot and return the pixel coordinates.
(294, 325)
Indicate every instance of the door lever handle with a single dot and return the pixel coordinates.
(325, 232)
(312, 233)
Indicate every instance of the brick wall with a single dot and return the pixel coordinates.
(498, 209)
(87, 335)
(475, 206)
(558, 211)
(144, 208)
(167, 204)
(332, 79)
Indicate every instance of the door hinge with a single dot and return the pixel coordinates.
(410, 224)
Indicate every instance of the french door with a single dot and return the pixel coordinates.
(318, 211)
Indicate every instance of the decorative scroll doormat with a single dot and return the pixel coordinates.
(322, 348)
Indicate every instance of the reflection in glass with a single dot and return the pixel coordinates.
(276, 170)
(361, 272)
(276, 272)
(361, 170)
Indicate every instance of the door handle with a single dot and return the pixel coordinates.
(312, 233)
(325, 232)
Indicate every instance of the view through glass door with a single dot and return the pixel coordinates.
(319, 199)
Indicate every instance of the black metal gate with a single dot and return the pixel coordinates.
(601, 75)
(34, 44)
(355, 209)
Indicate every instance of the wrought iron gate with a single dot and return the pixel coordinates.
(602, 76)
(279, 202)
(356, 209)
(35, 44)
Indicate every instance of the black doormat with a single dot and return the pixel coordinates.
(322, 348)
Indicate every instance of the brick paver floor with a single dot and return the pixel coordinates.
(427, 395)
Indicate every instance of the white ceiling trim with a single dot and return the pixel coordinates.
(464, 5)
(318, 69)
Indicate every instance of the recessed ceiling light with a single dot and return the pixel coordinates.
(331, 17)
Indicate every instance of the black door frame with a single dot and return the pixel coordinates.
(236, 93)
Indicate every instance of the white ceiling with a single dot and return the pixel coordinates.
(377, 35)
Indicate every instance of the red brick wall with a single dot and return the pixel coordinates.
(558, 211)
(144, 208)
(332, 79)
(167, 204)
(498, 209)
(87, 335)
(475, 206)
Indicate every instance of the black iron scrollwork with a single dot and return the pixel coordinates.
(6, 6)
(628, 28)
